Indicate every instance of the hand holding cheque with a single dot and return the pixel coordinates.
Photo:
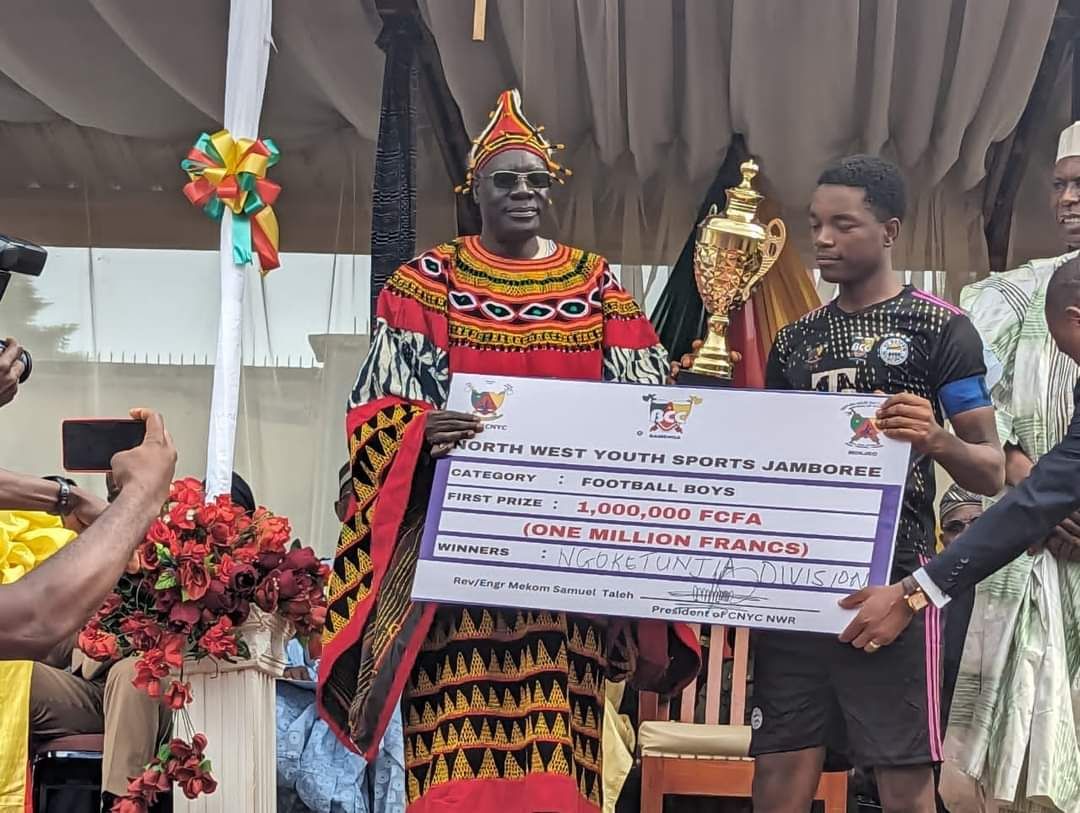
(666, 502)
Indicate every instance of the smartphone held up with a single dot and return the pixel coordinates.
(89, 444)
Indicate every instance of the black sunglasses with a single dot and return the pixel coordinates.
(508, 179)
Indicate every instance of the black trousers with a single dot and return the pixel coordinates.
(957, 618)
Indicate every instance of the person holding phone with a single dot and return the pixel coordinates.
(71, 694)
(33, 619)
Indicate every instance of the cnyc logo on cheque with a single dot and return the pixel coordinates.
(667, 418)
(487, 403)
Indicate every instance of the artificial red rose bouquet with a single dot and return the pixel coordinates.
(187, 592)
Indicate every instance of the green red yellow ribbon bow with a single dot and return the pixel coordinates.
(232, 172)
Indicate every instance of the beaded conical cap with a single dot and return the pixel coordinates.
(508, 129)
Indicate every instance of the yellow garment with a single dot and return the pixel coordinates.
(617, 741)
(27, 538)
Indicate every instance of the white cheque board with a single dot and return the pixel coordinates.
(723, 506)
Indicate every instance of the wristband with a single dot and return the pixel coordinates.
(63, 500)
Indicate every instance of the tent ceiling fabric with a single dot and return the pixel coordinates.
(646, 94)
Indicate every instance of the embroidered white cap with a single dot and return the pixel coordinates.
(1069, 143)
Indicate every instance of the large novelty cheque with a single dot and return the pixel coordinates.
(728, 506)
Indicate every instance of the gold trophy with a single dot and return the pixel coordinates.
(732, 253)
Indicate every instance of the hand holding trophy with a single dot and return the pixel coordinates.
(683, 365)
(732, 253)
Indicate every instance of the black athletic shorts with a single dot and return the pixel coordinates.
(871, 710)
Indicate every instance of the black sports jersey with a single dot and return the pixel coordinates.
(913, 343)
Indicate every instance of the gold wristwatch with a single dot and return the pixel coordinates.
(913, 594)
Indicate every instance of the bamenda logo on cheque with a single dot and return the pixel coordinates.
(667, 418)
(864, 432)
(487, 403)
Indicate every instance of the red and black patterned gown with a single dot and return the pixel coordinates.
(502, 708)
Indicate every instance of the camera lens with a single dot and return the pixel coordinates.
(27, 362)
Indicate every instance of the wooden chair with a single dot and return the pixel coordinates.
(709, 759)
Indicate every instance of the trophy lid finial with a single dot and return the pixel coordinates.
(749, 170)
(743, 200)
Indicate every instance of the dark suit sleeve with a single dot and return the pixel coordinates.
(1024, 517)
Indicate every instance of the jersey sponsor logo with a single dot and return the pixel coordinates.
(814, 355)
(842, 380)
(861, 347)
(894, 350)
(757, 718)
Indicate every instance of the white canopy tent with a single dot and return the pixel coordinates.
(99, 100)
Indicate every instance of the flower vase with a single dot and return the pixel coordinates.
(234, 705)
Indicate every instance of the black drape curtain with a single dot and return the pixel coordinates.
(393, 204)
(679, 316)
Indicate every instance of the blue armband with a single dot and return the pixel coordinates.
(964, 394)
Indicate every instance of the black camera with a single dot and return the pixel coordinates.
(24, 357)
(20, 257)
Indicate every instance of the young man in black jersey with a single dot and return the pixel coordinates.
(876, 707)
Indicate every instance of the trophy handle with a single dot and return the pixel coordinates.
(775, 238)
